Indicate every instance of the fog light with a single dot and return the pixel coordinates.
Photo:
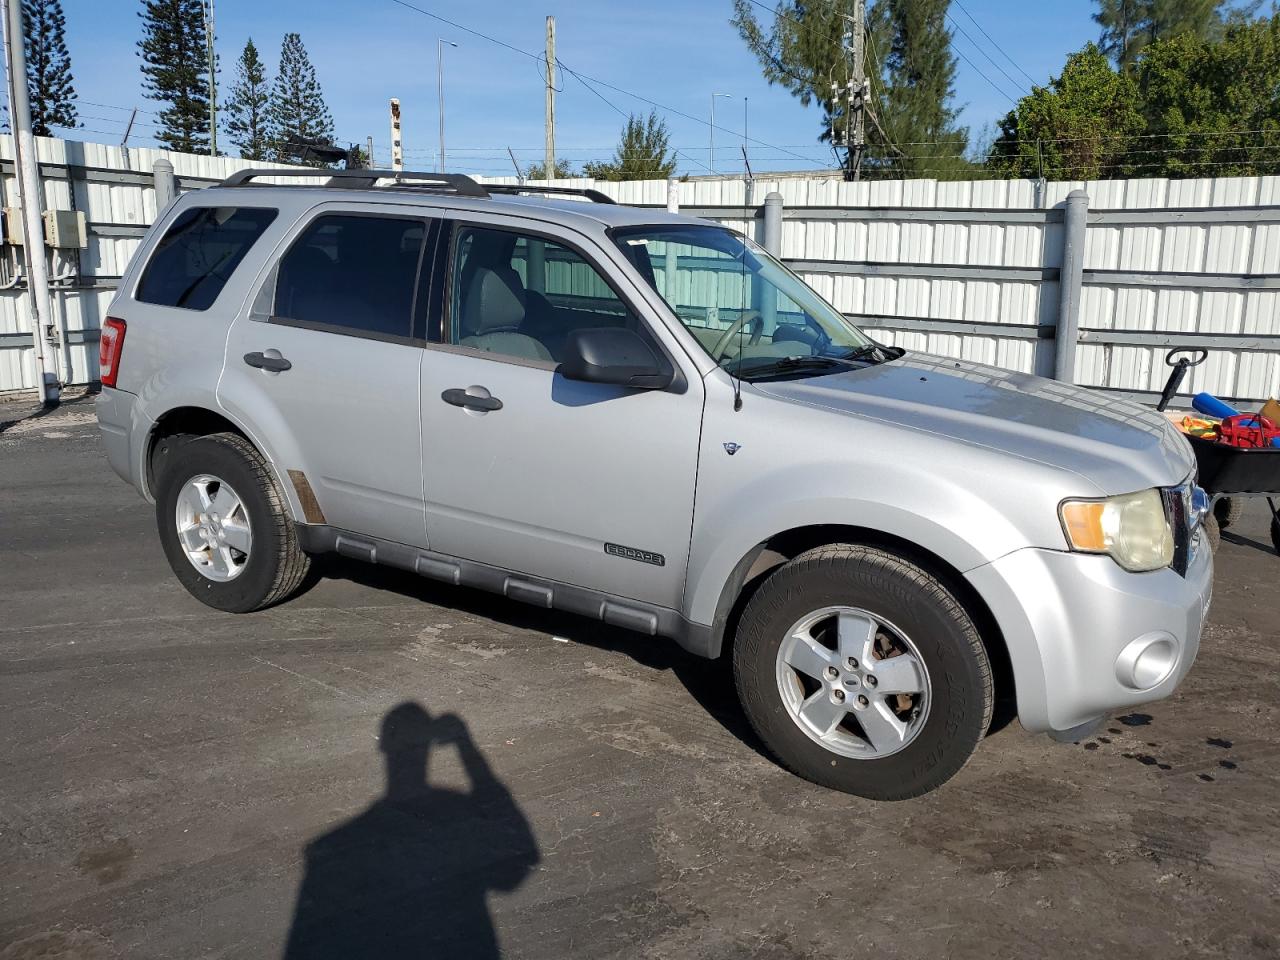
(1147, 661)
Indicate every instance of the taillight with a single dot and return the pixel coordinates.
(110, 345)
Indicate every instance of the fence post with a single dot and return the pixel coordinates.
(1075, 216)
(773, 223)
(166, 189)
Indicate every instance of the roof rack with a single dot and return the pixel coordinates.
(364, 179)
(595, 196)
(458, 183)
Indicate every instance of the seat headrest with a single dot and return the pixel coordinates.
(494, 302)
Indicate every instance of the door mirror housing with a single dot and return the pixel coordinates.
(614, 355)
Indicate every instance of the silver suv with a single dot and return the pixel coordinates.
(646, 419)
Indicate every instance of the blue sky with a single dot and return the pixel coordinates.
(675, 52)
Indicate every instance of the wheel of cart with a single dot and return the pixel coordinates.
(1228, 474)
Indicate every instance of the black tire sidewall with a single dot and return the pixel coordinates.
(220, 458)
(959, 675)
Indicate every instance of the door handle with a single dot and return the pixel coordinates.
(276, 364)
(472, 398)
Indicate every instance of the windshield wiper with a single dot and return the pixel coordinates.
(793, 365)
(875, 351)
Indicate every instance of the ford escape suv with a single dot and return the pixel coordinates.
(646, 419)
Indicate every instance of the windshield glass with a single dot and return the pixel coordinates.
(750, 313)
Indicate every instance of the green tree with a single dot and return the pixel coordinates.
(538, 171)
(910, 121)
(175, 71)
(297, 111)
(916, 121)
(1079, 127)
(1129, 26)
(53, 98)
(1211, 107)
(246, 107)
(643, 153)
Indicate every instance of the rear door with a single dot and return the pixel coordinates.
(583, 483)
(326, 360)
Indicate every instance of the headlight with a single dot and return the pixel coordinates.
(1132, 529)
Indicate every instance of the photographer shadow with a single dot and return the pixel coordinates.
(410, 876)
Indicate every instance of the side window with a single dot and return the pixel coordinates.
(520, 295)
(198, 254)
(355, 274)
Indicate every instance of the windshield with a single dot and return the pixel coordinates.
(750, 313)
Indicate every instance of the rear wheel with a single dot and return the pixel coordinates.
(860, 671)
(224, 524)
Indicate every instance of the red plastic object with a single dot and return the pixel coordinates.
(1248, 430)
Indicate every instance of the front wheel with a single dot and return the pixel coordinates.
(860, 671)
(224, 524)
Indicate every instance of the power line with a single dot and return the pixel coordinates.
(596, 80)
(1016, 85)
(965, 11)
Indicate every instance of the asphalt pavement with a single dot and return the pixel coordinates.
(387, 767)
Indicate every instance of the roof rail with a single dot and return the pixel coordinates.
(595, 196)
(364, 179)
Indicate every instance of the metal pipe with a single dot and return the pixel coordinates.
(440, 42)
(29, 190)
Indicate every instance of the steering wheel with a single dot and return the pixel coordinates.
(1170, 361)
(757, 330)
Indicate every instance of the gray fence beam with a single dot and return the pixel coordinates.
(1070, 279)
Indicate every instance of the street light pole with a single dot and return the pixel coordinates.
(440, 42)
(711, 153)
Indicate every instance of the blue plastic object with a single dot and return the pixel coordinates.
(1207, 403)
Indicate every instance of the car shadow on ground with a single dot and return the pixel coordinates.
(709, 682)
(410, 876)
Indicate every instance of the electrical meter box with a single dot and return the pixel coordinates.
(65, 229)
(13, 226)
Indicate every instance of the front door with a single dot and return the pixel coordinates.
(327, 365)
(582, 483)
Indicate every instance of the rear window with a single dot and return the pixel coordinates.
(198, 254)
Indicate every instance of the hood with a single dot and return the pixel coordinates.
(1116, 445)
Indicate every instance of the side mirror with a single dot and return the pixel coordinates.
(614, 355)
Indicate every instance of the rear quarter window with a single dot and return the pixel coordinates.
(198, 254)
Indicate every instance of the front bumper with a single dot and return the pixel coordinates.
(1074, 624)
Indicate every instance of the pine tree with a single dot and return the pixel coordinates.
(297, 111)
(1130, 25)
(915, 130)
(642, 153)
(175, 71)
(53, 98)
(910, 122)
(246, 106)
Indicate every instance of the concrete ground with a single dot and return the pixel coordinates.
(169, 773)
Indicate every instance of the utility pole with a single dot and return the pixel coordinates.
(440, 44)
(550, 154)
(28, 170)
(368, 151)
(213, 77)
(397, 151)
(859, 86)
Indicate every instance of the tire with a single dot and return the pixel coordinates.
(1275, 534)
(1212, 532)
(273, 567)
(1228, 510)
(913, 609)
